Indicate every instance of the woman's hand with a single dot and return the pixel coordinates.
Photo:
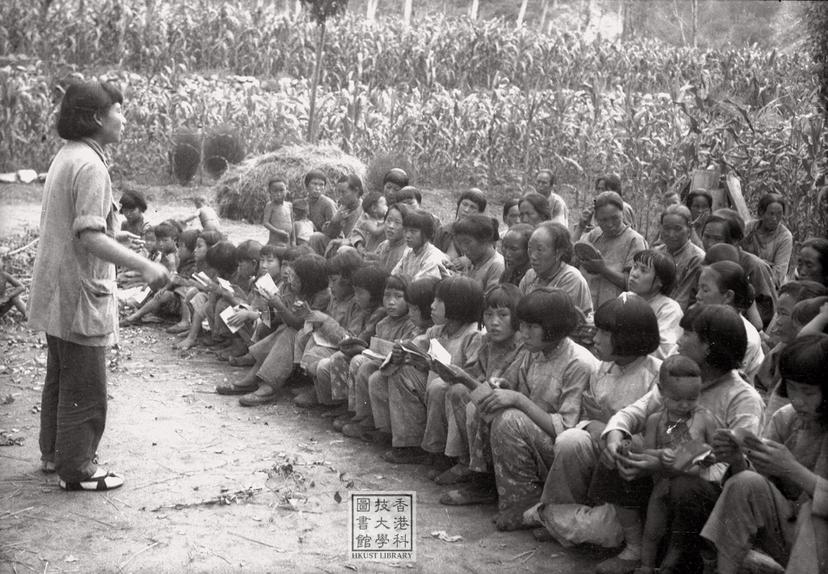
(242, 317)
(668, 457)
(614, 440)
(155, 275)
(638, 464)
(500, 399)
(301, 310)
(418, 363)
(129, 239)
(770, 458)
(726, 449)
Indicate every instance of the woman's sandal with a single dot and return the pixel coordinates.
(232, 389)
(101, 480)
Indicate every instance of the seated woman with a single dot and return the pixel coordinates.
(472, 201)
(617, 242)
(700, 204)
(515, 246)
(475, 236)
(812, 263)
(534, 208)
(768, 238)
(390, 251)
(676, 231)
(651, 277)
(776, 496)
(714, 337)
(725, 283)
(541, 402)
(511, 211)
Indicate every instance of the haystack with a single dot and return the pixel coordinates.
(242, 191)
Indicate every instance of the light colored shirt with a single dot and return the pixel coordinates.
(73, 291)
(668, 314)
(775, 249)
(754, 355)
(389, 255)
(618, 254)
(487, 272)
(567, 278)
(733, 402)
(613, 387)
(688, 260)
(555, 381)
(429, 262)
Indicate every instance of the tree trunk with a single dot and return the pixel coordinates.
(475, 8)
(544, 15)
(694, 6)
(317, 72)
(407, 9)
(522, 13)
(371, 10)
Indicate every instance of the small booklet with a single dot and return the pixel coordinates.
(691, 453)
(266, 286)
(379, 349)
(436, 352)
(232, 312)
(225, 284)
(202, 279)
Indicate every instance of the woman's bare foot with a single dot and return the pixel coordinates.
(187, 343)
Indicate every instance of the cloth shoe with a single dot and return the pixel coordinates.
(101, 480)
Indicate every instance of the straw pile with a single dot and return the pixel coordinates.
(242, 191)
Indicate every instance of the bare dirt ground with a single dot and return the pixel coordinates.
(212, 486)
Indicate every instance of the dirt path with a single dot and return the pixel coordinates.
(212, 486)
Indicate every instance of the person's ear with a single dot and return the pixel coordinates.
(97, 119)
(730, 296)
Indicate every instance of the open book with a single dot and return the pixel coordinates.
(266, 286)
(202, 279)
(691, 453)
(232, 312)
(436, 352)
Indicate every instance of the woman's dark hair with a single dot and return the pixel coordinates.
(419, 219)
(803, 289)
(820, 245)
(721, 252)
(400, 207)
(373, 279)
(524, 231)
(539, 203)
(552, 309)
(312, 273)
(609, 198)
(396, 176)
(476, 196)
(211, 237)
(188, 238)
(163, 230)
(688, 201)
(805, 361)
(561, 239)
(420, 294)
(354, 183)
(82, 107)
(277, 179)
(408, 192)
(480, 227)
(508, 205)
(611, 183)
(370, 200)
(133, 198)
(250, 250)
(723, 330)
(632, 325)
(224, 258)
(663, 265)
(315, 174)
(732, 277)
(769, 199)
(505, 296)
(734, 225)
(345, 262)
(397, 282)
(463, 299)
(804, 311)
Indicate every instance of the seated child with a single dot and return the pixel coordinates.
(241, 283)
(10, 297)
(205, 240)
(302, 226)
(331, 380)
(475, 237)
(133, 206)
(394, 327)
(369, 230)
(499, 359)
(391, 249)
(169, 300)
(129, 278)
(680, 421)
(166, 237)
(416, 393)
(206, 215)
(419, 296)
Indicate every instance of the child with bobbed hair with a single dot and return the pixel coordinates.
(133, 206)
(391, 249)
(775, 496)
(419, 297)
(417, 394)
(539, 402)
(421, 259)
(475, 236)
(652, 277)
(331, 374)
(725, 283)
(305, 291)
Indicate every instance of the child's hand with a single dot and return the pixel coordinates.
(725, 447)
(301, 310)
(397, 355)
(418, 363)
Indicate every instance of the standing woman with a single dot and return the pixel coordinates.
(768, 238)
(73, 285)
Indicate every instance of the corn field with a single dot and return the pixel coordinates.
(468, 103)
